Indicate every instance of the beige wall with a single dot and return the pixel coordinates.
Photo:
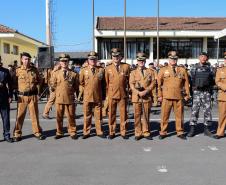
(23, 47)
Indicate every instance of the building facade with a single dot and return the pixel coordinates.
(187, 35)
(12, 43)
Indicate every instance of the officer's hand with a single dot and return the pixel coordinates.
(142, 93)
(160, 99)
(186, 98)
(10, 100)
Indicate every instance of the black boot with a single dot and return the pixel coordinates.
(191, 132)
(207, 131)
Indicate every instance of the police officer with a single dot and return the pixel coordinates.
(52, 96)
(142, 82)
(117, 82)
(6, 94)
(91, 78)
(65, 83)
(173, 87)
(28, 87)
(202, 79)
(221, 84)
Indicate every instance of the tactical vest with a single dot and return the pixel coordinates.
(202, 77)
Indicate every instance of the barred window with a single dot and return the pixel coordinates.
(212, 47)
(186, 48)
(133, 46)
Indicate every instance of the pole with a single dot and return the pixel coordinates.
(218, 44)
(157, 32)
(125, 47)
(48, 28)
(93, 15)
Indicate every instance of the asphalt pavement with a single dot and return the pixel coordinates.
(197, 161)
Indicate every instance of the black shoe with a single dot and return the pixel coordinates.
(9, 140)
(207, 132)
(58, 136)
(75, 137)
(217, 137)
(41, 137)
(148, 138)
(85, 136)
(137, 138)
(111, 136)
(17, 139)
(182, 136)
(191, 132)
(102, 136)
(125, 137)
(161, 137)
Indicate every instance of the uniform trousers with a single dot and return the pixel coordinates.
(32, 103)
(69, 110)
(178, 108)
(112, 115)
(49, 104)
(87, 110)
(141, 116)
(4, 111)
(222, 118)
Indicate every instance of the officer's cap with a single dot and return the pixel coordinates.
(173, 55)
(92, 55)
(64, 57)
(225, 55)
(141, 56)
(25, 54)
(115, 52)
(204, 53)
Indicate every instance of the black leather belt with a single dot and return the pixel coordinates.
(28, 93)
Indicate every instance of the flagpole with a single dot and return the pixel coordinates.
(125, 47)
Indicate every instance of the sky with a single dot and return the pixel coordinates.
(72, 19)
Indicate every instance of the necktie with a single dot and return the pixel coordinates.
(174, 70)
(65, 74)
(117, 68)
(93, 70)
(142, 71)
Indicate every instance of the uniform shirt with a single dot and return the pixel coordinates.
(5, 79)
(28, 79)
(92, 84)
(221, 83)
(64, 87)
(146, 82)
(173, 86)
(117, 82)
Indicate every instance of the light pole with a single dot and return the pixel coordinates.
(157, 33)
(48, 28)
(93, 26)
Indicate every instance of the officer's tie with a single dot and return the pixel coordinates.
(174, 70)
(65, 74)
(117, 68)
(142, 72)
(93, 70)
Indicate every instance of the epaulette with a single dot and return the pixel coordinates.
(125, 63)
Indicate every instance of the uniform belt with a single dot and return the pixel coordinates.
(28, 93)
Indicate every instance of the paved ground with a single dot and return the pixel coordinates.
(197, 161)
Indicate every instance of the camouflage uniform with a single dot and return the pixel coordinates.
(201, 98)
(202, 83)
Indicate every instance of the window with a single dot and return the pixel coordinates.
(15, 50)
(133, 46)
(6, 47)
(212, 47)
(186, 48)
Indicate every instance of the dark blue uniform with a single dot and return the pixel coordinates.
(5, 94)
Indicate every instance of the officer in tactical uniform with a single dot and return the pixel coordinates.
(6, 94)
(221, 84)
(202, 79)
